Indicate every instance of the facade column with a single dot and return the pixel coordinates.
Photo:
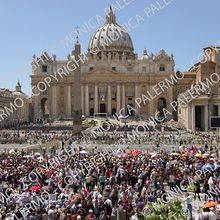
(137, 95)
(82, 99)
(193, 117)
(109, 100)
(123, 99)
(118, 98)
(68, 105)
(96, 100)
(206, 117)
(86, 100)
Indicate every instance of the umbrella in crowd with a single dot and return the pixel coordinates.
(175, 154)
(83, 152)
(154, 155)
(209, 167)
(199, 155)
(210, 204)
(27, 156)
(119, 152)
(135, 153)
(35, 189)
(12, 151)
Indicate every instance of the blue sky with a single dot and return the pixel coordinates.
(183, 27)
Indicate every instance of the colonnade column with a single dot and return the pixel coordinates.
(109, 100)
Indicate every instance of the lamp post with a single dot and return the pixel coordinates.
(124, 118)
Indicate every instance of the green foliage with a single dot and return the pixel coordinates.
(163, 211)
(93, 123)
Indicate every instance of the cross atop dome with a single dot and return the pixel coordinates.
(111, 18)
(18, 87)
(145, 52)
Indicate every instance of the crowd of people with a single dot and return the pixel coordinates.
(32, 137)
(109, 137)
(70, 183)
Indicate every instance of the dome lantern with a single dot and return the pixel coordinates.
(111, 18)
(18, 87)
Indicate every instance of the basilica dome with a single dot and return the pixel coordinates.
(111, 37)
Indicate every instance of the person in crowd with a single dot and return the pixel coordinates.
(69, 183)
(189, 206)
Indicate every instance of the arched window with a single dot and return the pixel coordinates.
(162, 68)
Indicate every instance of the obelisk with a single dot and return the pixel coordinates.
(77, 107)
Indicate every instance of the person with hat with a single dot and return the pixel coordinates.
(90, 215)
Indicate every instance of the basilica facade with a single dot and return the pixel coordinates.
(112, 77)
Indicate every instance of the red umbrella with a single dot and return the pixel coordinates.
(135, 153)
(35, 188)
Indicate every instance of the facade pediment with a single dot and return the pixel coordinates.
(102, 72)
